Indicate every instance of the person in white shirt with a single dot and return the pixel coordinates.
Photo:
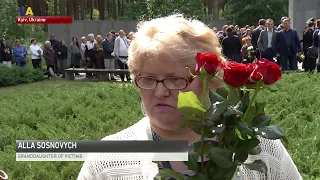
(89, 51)
(83, 48)
(120, 52)
(90, 56)
(36, 54)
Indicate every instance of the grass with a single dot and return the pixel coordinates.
(86, 110)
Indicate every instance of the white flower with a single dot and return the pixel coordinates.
(250, 48)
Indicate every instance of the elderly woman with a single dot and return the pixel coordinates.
(83, 49)
(98, 49)
(49, 56)
(158, 58)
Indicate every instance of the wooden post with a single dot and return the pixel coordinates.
(69, 75)
(103, 76)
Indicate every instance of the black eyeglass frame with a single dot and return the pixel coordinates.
(188, 81)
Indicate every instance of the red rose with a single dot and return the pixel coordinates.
(209, 61)
(266, 70)
(236, 74)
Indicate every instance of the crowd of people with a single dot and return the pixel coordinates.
(278, 44)
(110, 52)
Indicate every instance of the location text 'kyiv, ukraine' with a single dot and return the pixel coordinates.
(44, 20)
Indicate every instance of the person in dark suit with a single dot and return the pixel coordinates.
(309, 63)
(316, 42)
(280, 27)
(223, 33)
(255, 35)
(113, 35)
(287, 46)
(109, 61)
(5, 53)
(232, 46)
(266, 41)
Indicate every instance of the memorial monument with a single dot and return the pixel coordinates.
(302, 10)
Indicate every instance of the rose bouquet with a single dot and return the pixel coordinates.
(250, 51)
(230, 121)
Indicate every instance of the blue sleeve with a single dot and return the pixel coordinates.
(15, 52)
(25, 51)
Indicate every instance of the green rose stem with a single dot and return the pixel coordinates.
(204, 95)
(256, 90)
(204, 77)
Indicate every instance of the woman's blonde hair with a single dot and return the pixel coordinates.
(130, 34)
(17, 41)
(175, 38)
(121, 32)
(99, 38)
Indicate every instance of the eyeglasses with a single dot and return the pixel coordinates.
(172, 83)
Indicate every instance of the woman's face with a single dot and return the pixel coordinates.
(74, 40)
(160, 103)
(18, 43)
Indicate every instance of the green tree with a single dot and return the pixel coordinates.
(250, 11)
(8, 12)
(144, 10)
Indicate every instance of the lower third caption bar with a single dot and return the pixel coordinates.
(44, 19)
(102, 156)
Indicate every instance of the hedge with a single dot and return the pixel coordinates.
(17, 75)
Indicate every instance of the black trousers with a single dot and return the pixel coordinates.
(56, 67)
(36, 63)
(123, 66)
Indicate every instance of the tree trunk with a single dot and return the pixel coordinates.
(91, 10)
(122, 7)
(22, 3)
(82, 10)
(119, 8)
(216, 9)
(101, 8)
(62, 7)
(46, 13)
(55, 7)
(109, 7)
(37, 10)
(205, 4)
(114, 10)
(210, 3)
(76, 9)
(69, 7)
